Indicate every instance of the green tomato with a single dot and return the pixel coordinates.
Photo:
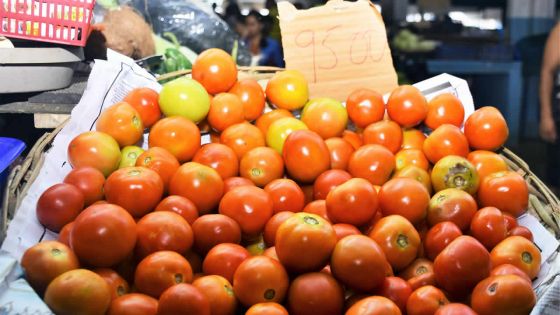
(280, 130)
(184, 97)
(129, 154)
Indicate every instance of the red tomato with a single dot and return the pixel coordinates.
(318, 207)
(249, 206)
(455, 309)
(180, 205)
(489, 227)
(372, 162)
(59, 205)
(212, 229)
(405, 197)
(315, 293)
(419, 273)
(241, 138)
(425, 300)
(219, 292)
(461, 265)
(122, 122)
(520, 252)
(215, 70)
(445, 108)
(178, 135)
(163, 230)
(272, 226)
(226, 109)
(219, 157)
(103, 235)
(487, 162)
(306, 155)
(486, 129)
(507, 294)
(511, 221)
(413, 139)
(252, 97)
(200, 184)
(286, 195)
(117, 284)
(340, 151)
(398, 239)
(234, 182)
(407, 106)
(342, 230)
(287, 89)
(508, 269)
(160, 271)
(506, 191)
(261, 165)
(416, 173)
(358, 263)
(445, 140)
(145, 102)
(325, 116)
(89, 181)
(353, 202)
(521, 231)
(374, 305)
(397, 290)
(268, 118)
(161, 161)
(133, 304)
(365, 107)
(355, 139)
(224, 259)
(64, 235)
(439, 236)
(183, 299)
(260, 279)
(452, 204)
(95, 149)
(267, 308)
(137, 189)
(386, 133)
(327, 181)
(408, 157)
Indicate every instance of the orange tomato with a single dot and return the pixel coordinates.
(386, 133)
(353, 202)
(374, 305)
(506, 191)
(416, 173)
(252, 97)
(507, 294)
(160, 271)
(260, 279)
(242, 137)
(161, 161)
(325, 116)
(445, 108)
(267, 308)
(226, 109)
(261, 165)
(486, 129)
(145, 101)
(249, 206)
(406, 197)
(215, 70)
(178, 135)
(354, 138)
(340, 151)
(425, 300)
(286, 195)
(407, 157)
(445, 140)
(287, 90)
(264, 121)
(487, 162)
(224, 259)
(122, 122)
(372, 162)
(219, 292)
(219, 157)
(413, 139)
(488, 226)
(517, 251)
(364, 107)
(407, 106)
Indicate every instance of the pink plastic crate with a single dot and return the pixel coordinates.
(54, 21)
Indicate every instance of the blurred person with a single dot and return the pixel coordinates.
(233, 17)
(265, 50)
(550, 105)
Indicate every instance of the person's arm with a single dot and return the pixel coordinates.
(551, 61)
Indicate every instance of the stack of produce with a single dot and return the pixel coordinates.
(280, 214)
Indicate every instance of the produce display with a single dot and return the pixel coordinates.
(308, 206)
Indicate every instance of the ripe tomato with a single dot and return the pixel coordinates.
(318, 207)
(508, 269)
(261, 165)
(461, 265)
(267, 308)
(137, 189)
(180, 205)
(342, 230)
(306, 155)
(406, 197)
(364, 107)
(286, 195)
(78, 291)
(413, 139)
(398, 239)
(445, 108)
(355, 139)
(455, 172)
(161, 161)
(419, 273)
(416, 173)
(161, 270)
(122, 122)
(315, 293)
(325, 116)
(249, 206)
(271, 252)
(89, 181)
(260, 279)
(224, 259)
(95, 149)
(511, 221)
(186, 98)
(507, 294)
(488, 226)
(521, 231)
(241, 138)
(407, 106)
(64, 235)
(234, 182)
(280, 129)
(425, 300)
(445, 140)
(374, 305)
(133, 304)
(226, 109)
(45, 261)
(163, 230)
(183, 299)
(439, 236)
(386, 133)
(252, 97)
(219, 292)
(408, 157)
(145, 102)
(219, 157)
(397, 290)
(59, 205)
(340, 151)
(215, 70)
(287, 90)
(353, 202)
(271, 227)
(200, 184)
(520, 252)
(264, 122)
(178, 135)
(103, 235)
(455, 309)
(452, 204)
(486, 129)
(117, 284)
(327, 181)
(487, 162)
(506, 191)
(212, 229)
(358, 263)
(372, 162)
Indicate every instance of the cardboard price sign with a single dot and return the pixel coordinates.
(338, 47)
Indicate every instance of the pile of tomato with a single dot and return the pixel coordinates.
(307, 207)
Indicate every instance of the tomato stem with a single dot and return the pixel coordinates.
(269, 294)
(526, 257)
(310, 220)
